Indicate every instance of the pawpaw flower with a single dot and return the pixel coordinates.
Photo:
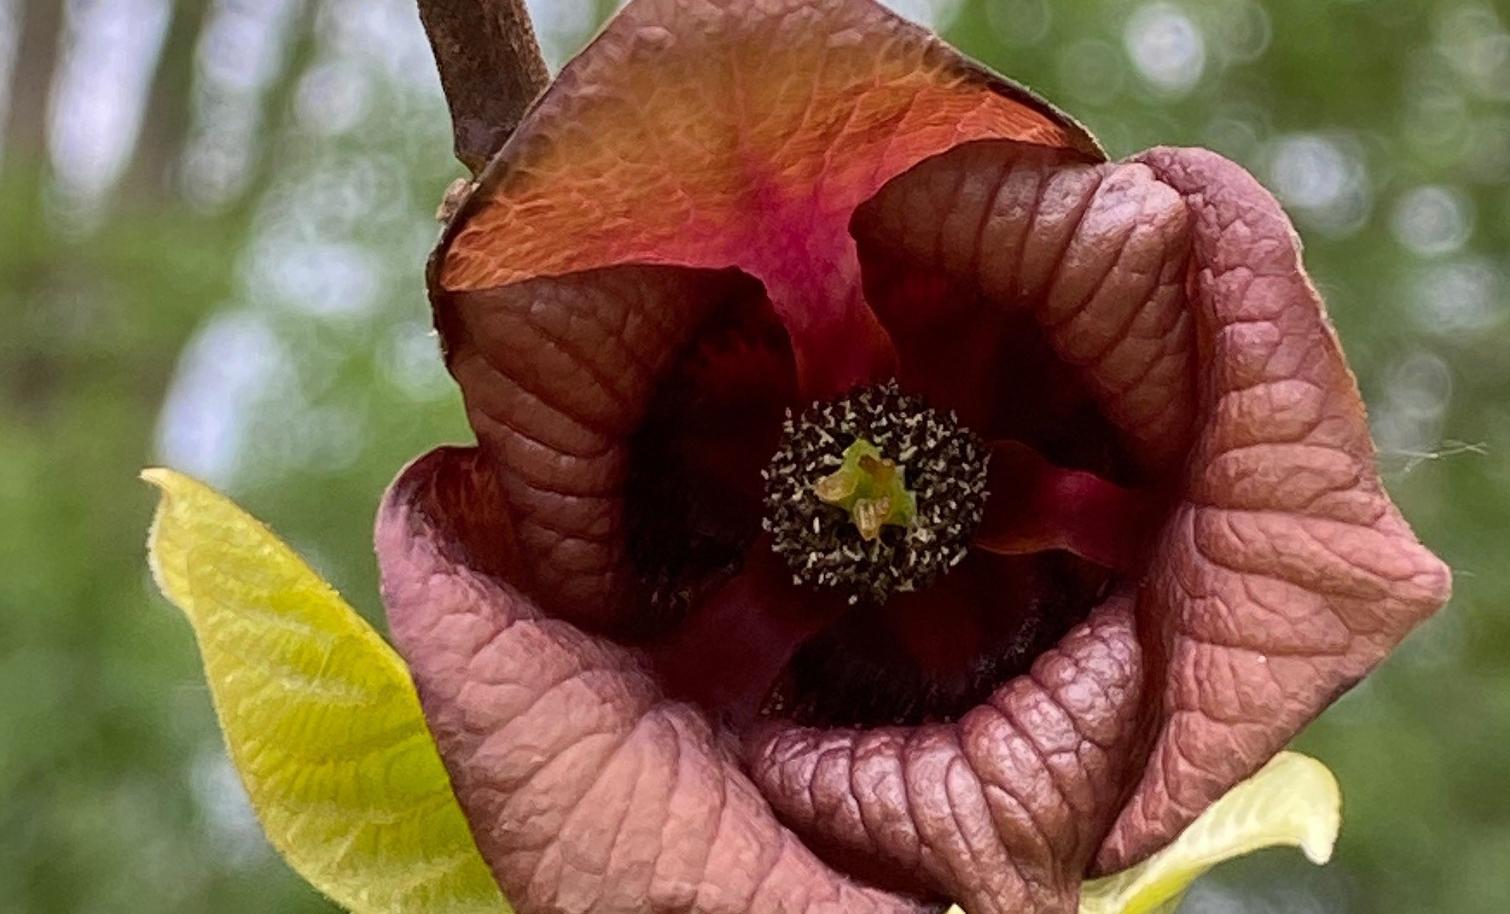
(881, 499)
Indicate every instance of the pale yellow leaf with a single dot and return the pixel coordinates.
(1292, 801)
(319, 714)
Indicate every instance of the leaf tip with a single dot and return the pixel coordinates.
(1319, 837)
(162, 479)
(168, 481)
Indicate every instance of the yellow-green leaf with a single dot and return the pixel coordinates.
(1292, 801)
(319, 714)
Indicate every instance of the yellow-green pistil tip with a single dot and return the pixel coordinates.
(871, 488)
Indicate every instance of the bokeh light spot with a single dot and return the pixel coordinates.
(1019, 23)
(1322, 178)
(1460, 299)
(1166, 47)
(1433, 220)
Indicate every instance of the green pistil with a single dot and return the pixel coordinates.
(871, 488)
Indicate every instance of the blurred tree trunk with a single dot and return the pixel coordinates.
(303, 45)
(31, 81)
(168, 113)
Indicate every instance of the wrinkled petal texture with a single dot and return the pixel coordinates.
(696, 152)
(1173, 282)
(586, 789)
(1098, 254)
(1002, 809)
(1286, 573)
(557, 374)
(826, 172)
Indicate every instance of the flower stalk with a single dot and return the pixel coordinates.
(490, 67)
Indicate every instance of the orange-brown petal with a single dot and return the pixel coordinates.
(736, 133)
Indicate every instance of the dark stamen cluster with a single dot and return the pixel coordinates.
(945, 466)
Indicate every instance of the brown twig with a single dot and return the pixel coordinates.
(490, 67)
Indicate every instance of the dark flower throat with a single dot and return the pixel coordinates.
(816, 563)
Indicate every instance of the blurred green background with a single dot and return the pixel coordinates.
(213, 215)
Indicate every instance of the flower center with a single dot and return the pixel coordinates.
(874, 493)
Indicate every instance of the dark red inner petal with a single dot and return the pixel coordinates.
(1037, 506)
(932, 656)
(837, 341)
(693, 492)
(735, 642)
(1093, 257)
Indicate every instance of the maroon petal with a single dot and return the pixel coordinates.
(735, 643)
(1146, 321)
(558, 374)
(1089, 258)
(1286, 574)
(586, 788)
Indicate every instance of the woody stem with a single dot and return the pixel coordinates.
(490, 67)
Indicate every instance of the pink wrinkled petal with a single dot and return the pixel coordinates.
(1005, 807)
(1286, 574)
(737, 133)
(586, 788)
